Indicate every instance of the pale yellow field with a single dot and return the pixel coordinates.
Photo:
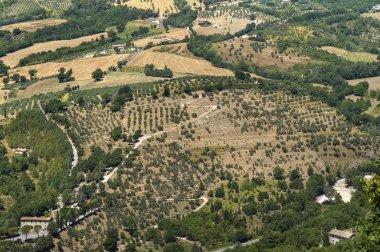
(82, 68)
(163, 7)
(175, 34)
(351, 56)
(178, 63)
(31, 26)
(374, 15)
(12, 59)
(220, 25)
(374, 82)
(111, 79)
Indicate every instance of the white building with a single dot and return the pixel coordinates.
(34, 221)
(376, 7)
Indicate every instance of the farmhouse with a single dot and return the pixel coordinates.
(337, 235)
(376, 7)
(20, 151)
(286, 1)
(34, 221)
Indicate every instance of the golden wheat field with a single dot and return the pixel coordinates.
(178, 63)
(12, 59)
(163, 7)
(82, 68)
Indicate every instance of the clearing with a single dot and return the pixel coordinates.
(258, 53)
(31, 26)
(374, 15)
(12, 59)
(172, 35)
(163, 7)
(351, 56)
(374, 82)
(178, 63)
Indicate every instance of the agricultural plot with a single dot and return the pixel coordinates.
(12, 59)
(82, 68)
(258, 53)
(226, 19)
(172, 35)
(374, 15)
(177, 63)
(198, 138)
(351, 56)
(31, 26)
(374, 82)
(21, 7)
(163, 7)
(56, 5)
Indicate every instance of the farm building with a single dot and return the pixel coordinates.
(21, 151)
(286, 1)
(337, 235)
(376, 7)
(34, 221)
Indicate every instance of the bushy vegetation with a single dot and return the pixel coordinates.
(150, 70)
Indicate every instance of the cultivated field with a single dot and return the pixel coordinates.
(12, 59)
(261, 54)
(21, 7)
(246, 132)
(82, 68)
(374, 15)
(31, 26)
(226, 19)
(56, 5)
(177, 63)
(374, 82)
(172, 35)
(351, 56)
(111, 79)
(163, 7)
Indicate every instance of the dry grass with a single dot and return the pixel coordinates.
(172, 35)
(374, 82)
(31, 26)
(238, 49)
(112, 79)
(82, 68)
(12, 59)
(374, 15)
(351, 56)
(164, 7)
(178, 63)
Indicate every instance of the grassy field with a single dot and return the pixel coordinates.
(12, 59)
(351, 56)
(132, 26)
(177, 63)
(31, 26)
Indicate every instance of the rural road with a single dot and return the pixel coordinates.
(242, 244)
(205, 201)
